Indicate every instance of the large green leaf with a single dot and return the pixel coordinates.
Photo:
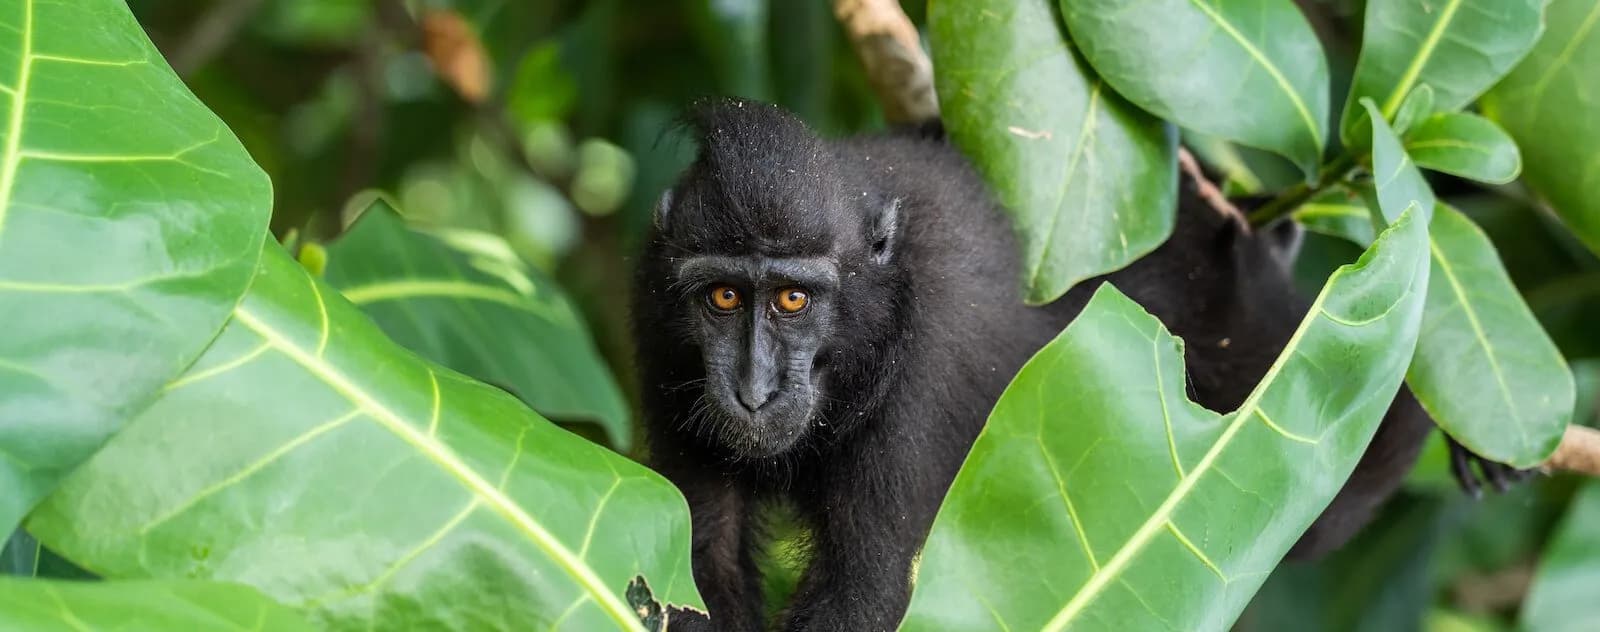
(1456, 47)
(1465, 145)
(1249, 71)
(1485, 370)
(1562, 597)
(139, 606)
(1547, 105)
(479, 313)
(130, 221)
(1090, 179)
(309, 456)
(1100, 498)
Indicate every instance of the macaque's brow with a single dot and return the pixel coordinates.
(818, 272)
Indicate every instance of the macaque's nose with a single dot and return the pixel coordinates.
(754, 393)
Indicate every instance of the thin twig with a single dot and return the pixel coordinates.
(891, 52)
(1579, 452)
(1209, 192)
(211, 34)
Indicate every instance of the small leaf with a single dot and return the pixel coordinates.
(1485, 370)
(484, 316)
(1338, 212)
(1099, 498)
(139, 606)
(1250, 71)
(307, 455)
(1457, 47)
(1417, 106)
(1547, 105)
(1465, 145)
(130, 222)
(1562, 597)
(1090, 180)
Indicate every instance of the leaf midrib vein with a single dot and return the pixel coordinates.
(1267, 65)
(1477, 332)
(441, 455)
(1098, 580)
(19, 103)
(1414, 70)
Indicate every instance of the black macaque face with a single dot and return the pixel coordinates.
(760, 323)
(776, 265)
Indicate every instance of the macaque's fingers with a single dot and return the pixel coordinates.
(1461, 467)
(1498, 474)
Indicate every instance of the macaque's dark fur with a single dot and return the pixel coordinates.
(915, 355)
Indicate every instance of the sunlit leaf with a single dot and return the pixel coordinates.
(1457, 47)
(1465, 145)
(1562, 597)
(130, 221)
(1547, 105)
(483, 316)
(139, 606)
(1250, 71)
(1090, 179)
(1100, 498)
(307, 455)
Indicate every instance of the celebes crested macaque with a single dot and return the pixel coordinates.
(827, 323)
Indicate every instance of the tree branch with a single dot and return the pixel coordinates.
(891, 52)
(1209, 192)
(1579, 452)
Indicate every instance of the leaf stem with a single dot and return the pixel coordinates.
(1296, 195)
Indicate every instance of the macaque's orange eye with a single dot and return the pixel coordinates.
(791, 300)
(725, 298)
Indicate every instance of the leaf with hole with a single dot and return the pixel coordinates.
(139, 606)
(1548, 103)
(480, 312)
(1090, 180)
(1100, 498)
(1250, 71)
(130, 221)
(1458, 48)
(307, 455)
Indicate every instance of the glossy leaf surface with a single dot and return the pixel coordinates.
(1457, 47)
(307, 455)
(140, 606)
(1100, 498)
(1562, 597)
(1548, 103)
(480, 314)
(1250, 71)
(130, 221)
(1090, 180)
(1465, 145)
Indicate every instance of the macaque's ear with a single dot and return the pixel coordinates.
(1284, 239)
(885, 228)
(664, 206)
